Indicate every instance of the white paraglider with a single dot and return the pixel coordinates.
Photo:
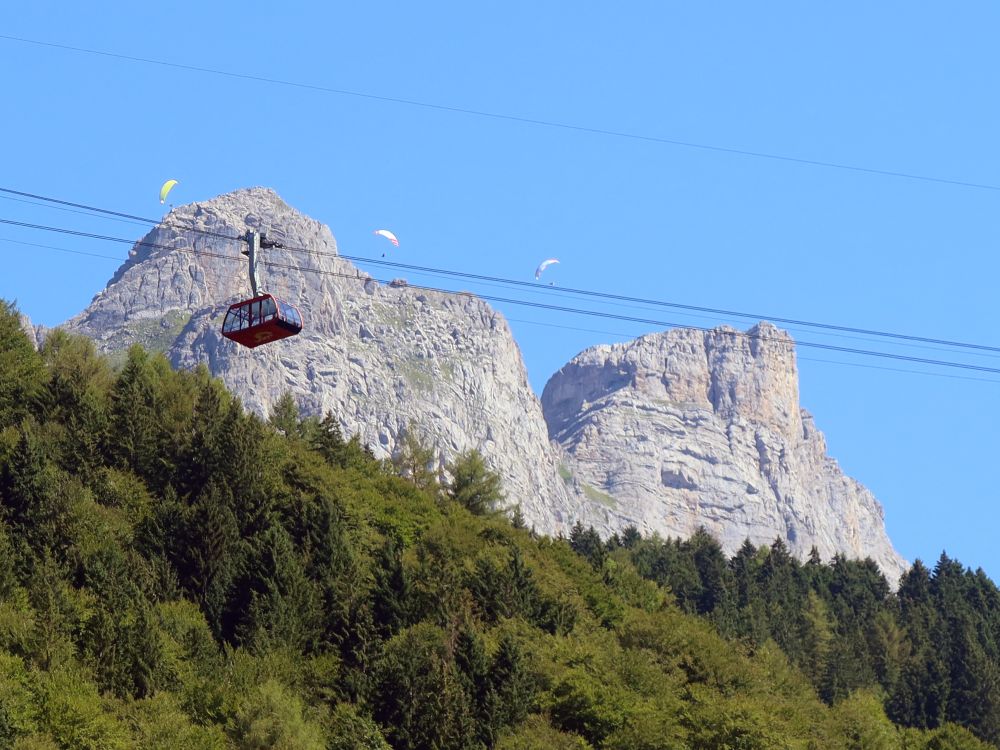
(543, 265)
(388, 235)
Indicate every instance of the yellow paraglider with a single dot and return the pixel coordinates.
(166, 188)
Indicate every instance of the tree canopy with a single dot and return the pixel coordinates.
(177, 572)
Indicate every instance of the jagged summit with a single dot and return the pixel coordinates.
(191, 239)
(377, 356)
(686, 428)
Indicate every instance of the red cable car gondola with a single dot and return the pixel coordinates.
(263, 318)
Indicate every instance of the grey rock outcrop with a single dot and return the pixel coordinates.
(668, 432)
(35, 334)
(687, 428)
(377, 356)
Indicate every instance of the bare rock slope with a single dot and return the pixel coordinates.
(377, 356)
(687, 428)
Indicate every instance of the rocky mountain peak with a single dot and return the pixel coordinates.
(379, 357)
(686, 428)
(724, 370)
(667, 432)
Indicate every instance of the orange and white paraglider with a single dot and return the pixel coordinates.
(388, 235)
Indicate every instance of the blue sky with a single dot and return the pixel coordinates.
(905, 87)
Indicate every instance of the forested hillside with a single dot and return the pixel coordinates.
(174, 572)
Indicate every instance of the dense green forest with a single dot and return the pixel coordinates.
(178, 573)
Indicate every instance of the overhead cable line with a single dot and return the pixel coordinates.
(621, 134)
(535, 286)
(529, 303)
(60, 249)
(530, 322)
(556, 325)
(548, 291)
(517, 320)
(799, 359)
(680, 306)
(71, 210)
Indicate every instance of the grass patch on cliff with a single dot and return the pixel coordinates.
(153, 334)
(595, 495)
(417, 374)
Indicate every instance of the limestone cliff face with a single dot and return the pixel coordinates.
(35, 334)
(668, 432)
(375, 355)
(687, 428)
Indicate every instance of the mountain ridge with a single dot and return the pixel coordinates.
(381, 357)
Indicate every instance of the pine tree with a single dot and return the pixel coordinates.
(119, 638)
(588, 544)
(326, 438)
(22, 373)
(284, 415)
(510, 692)
(473, 486)
(416, 461)
(206, 549)
(76, 395)
(133, 425)
(272, 602)
(390, 594)
(817, 639)
(37, 499)
(474, 675)
(716, 590)
(630, 537)
(420, 701)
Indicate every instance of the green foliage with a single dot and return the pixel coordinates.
(271, 717)
(473, 486)
(284, 415)
(351, 731)
(18, 710)
(73, 713)
(420, 700)
(537, 734)
(416, 461)
(862, 723)
(22, 373)
(175, 572)
(160, 723)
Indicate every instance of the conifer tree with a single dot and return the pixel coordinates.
(473, 485)
(716, 580)
(511, 688)
(22, 373)
(415, 461)
(284, 416)
(133, 424)
(587, 543)
(391, 588)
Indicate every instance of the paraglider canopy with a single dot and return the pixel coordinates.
(388, 235)
(166, 188)
(543, 265)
